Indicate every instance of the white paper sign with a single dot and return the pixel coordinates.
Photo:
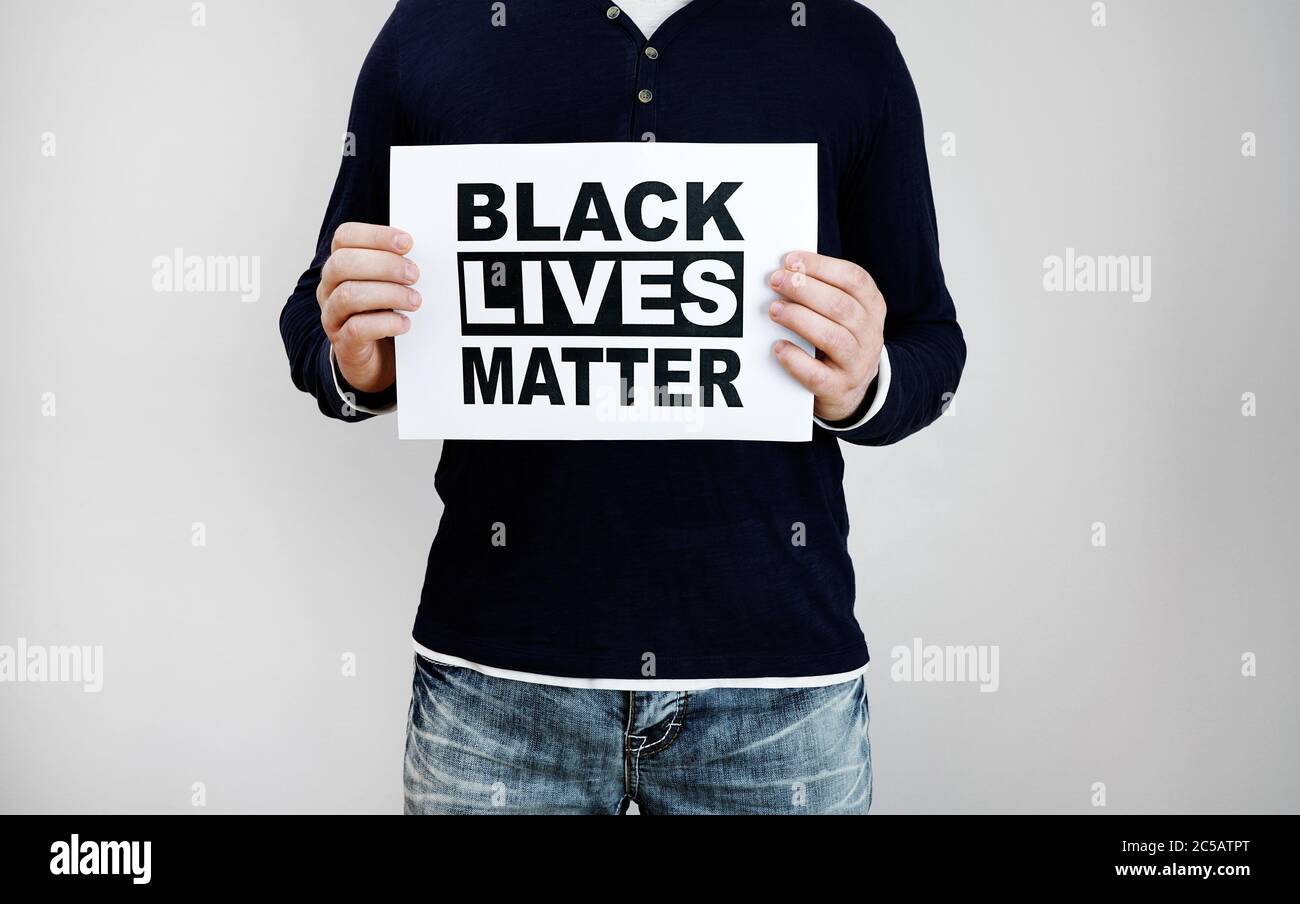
(601, 291)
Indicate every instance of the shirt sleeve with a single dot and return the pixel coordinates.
(888, 225)
(375, 124)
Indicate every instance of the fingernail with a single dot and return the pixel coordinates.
(777, 345)
(778, 277)
(793, 261)
(412, 272)
(416, 300)
(777, 308)
(402, 242)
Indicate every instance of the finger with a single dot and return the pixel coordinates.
(812, 374)
(825, 299)
(357, 296)
(363, 264)
(844, 275)
(370, 235)
(836, 342)
(362, 329)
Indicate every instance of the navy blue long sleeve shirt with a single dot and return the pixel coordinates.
(666, 559)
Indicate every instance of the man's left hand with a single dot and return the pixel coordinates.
(836, 306)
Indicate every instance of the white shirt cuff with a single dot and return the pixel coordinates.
(351, 402)
(877, 401)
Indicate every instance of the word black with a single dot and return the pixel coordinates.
(592, 213)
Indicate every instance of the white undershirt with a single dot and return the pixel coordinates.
(650, 14)
(648, 684)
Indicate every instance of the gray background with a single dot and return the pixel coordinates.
(1118, 665)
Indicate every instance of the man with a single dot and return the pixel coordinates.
(669, 623)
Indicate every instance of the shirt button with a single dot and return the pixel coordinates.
(612, 12)
(651, 53)
(645, 95)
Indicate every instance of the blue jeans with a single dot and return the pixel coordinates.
(479, 744)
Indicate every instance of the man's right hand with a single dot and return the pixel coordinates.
(363, 285)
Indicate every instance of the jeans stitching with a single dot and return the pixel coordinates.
(634, 753)
(644, 748)
(678, 722)
(628, 787)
